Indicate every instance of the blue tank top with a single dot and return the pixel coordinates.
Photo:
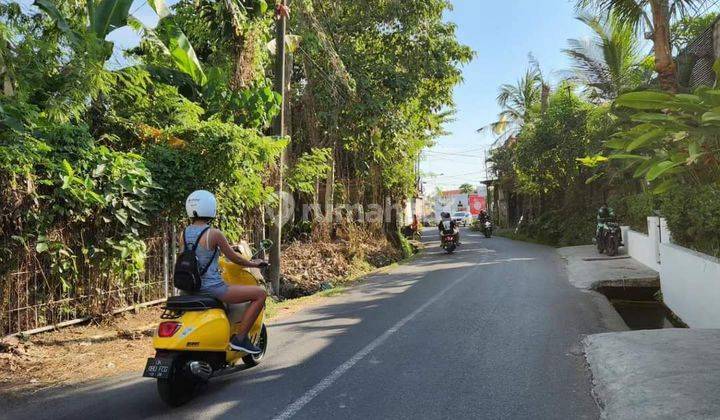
(212, 277)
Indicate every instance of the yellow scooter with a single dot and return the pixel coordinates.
(192, 341)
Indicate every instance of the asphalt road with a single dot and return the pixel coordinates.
(492, 331)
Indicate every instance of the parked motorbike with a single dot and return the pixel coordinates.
(609, 239)
(488, 229)
(192, 341)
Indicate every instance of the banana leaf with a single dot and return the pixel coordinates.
(646, 138)
(48, 6)
(645, 100)
(109, 15)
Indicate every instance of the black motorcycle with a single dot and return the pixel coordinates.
(487, 229)
(609, 239)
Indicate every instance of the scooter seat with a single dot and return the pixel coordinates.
(193, 303)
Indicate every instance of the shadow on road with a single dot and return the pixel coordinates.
(303, 348)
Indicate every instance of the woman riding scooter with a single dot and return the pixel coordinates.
(201, 207)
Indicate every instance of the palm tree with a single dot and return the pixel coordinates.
(467, 188)
(609, 63)
(516, 102)
(654, 15)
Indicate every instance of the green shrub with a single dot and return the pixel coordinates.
(82, 208)
(634, 210)
(558, 228)
(230, 161)
(693, 216)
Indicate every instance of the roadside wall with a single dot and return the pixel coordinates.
(645, 248)
(690, 283)
(689, 280)
(641, 248)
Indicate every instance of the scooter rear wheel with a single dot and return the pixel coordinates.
(252, 360)
(176, 390)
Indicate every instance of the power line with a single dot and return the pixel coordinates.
(139, 7)
(453, 154)
(456, 175)
(707, 8)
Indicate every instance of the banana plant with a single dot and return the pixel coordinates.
(177, 46)
(104, 16)
(675, 139)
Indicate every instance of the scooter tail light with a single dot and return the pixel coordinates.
(168, 329)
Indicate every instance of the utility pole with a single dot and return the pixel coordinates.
(279, 129)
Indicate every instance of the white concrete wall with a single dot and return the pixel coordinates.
(641, 247)
(690, 283)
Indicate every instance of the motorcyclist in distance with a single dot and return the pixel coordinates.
(447, 226)
(483, 217)
(605, 214)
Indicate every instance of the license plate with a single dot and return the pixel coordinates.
(158, 368)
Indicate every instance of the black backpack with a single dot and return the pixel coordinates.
(188, 274)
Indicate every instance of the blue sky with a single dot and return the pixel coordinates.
(501, 33)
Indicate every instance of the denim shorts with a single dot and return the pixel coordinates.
(217, 290)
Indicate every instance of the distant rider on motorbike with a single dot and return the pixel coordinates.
(201, 208)
(605, 214)
(483, 217)
(447, 226)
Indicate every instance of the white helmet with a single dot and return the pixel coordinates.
(201, 203)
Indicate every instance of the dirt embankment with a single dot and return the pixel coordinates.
(320, 263)
(77, 354)
(122, 344)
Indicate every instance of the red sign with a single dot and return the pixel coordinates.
(477, 203)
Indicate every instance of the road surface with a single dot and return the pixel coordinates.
(492, 331)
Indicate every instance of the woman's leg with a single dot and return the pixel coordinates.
(240, 294)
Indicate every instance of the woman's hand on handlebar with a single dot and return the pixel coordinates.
(260, 263)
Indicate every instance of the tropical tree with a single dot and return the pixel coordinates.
(610, 62)
(654, 15)
(516, 102)
(687, 28)
(467, 188)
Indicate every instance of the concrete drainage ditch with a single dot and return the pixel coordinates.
(640, 308)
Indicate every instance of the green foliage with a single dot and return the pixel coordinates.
(688, 28)
(542, 166)
(181, 52)
(558, 228)
(610, 63)
(94, 160)
(220, 157)
(693, 215)
(103, 17)
(545, 156)
(633, 210)
(407, 249)
(377, 84)
(467, 189)
(254, 106)
(309, 168)
(79, 198)
(517, 102)
(675, 139)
